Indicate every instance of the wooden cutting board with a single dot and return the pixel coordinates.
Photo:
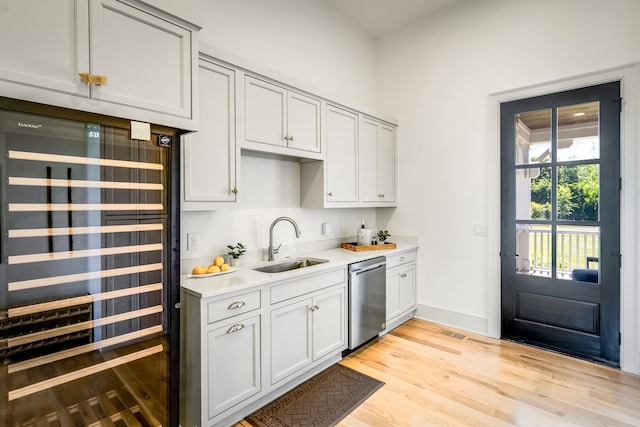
(378, 247)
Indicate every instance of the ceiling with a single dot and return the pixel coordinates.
(382, 17)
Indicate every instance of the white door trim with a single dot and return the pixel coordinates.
(629, 76)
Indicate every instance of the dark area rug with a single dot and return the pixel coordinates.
(320, 401)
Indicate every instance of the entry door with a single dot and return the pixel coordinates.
(560, 221)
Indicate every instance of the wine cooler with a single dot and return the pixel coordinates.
(88, 270)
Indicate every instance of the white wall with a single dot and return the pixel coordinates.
(311, 43)
(270, 188)
(305, 39)
(436, 78)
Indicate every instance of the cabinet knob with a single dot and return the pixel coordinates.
(401, 259)
(235, 328)
(288, 138)
(403, 275)
(291, 138)
(314, 308)
(380, 195)
(235, 190)
(330, 193)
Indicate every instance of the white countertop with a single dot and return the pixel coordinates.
(246, 277)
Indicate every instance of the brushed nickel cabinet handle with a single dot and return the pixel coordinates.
(235, 305)
(235, 328)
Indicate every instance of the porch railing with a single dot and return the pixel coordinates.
(576, 249)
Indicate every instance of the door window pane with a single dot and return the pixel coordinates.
(533, 193)
(578, 251)
(578, 132)
(533, 137)
(533, 249)
(578, 192)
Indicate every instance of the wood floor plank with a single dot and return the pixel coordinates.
(439, 376)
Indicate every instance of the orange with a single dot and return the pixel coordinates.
(213, 269)
(218, 261)
(199, 270)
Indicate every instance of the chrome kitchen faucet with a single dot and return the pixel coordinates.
(275, 221)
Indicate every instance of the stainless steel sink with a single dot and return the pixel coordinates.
(291, 265)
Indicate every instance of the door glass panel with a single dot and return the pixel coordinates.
(578, 249)
(533, 137)
(578, 192)
(533, 249)
(533, 193)
(578, 132)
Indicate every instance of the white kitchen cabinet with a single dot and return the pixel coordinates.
(290, 339)
(359, 166)
(304, 331)
(221, 348)
(308, 322)
(401, 288)
(341, 165)
(136, 63)
(377, 163)
(209, 156)
(233, 363)
(279, 120)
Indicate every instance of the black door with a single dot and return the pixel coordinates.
(560, 221)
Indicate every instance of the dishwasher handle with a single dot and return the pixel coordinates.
(368, 268)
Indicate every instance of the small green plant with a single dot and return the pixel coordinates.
(237, 250)
(382, 235)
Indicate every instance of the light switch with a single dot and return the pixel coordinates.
(480, 229)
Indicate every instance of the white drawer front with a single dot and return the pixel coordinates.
(306, 285)
(232, 306)
(399, 259)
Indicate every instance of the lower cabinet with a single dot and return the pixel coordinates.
(401, 288)
(233, 363)
(242, 349)
(306, 330)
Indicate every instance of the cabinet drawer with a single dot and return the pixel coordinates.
(232, 306)
(306, 285)
(399, 259)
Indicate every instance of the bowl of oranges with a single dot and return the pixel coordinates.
(217, 267)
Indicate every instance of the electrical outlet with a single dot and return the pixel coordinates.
(193, 241)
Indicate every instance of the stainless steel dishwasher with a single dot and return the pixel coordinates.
(367, 300)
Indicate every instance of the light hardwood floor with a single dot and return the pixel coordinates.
(437, 376)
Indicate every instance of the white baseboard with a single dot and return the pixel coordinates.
(454, 319)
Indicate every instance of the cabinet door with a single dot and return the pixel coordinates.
(407, 289)
(386, 163)
(377, 162)
(209, 155)
(233, 364)
(290, 339)
(401, 290)
(369, 161)
(45, 43)
(265, 112)
(342, 156)
(329, 321)
(146, 59)
(393, 293)
(303, 124)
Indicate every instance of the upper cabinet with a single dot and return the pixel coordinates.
(103, 56)
(279, 120)
(359, 170)
(341, 165)
(209, 156)
(377, 163)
